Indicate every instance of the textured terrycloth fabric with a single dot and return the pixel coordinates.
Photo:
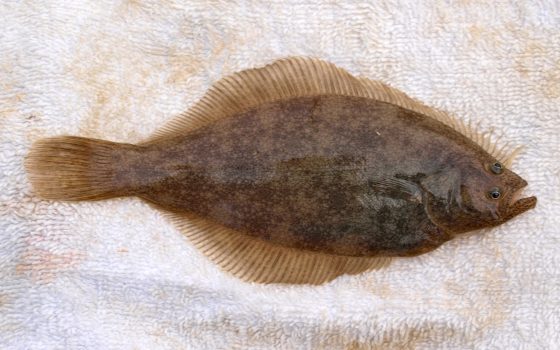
(116, 275)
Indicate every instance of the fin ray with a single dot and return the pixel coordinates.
(74, 168)
(253, 260)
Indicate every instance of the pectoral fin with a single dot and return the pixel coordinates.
(397, 188)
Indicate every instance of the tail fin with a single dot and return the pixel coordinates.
(75, 168)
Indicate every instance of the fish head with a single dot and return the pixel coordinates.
(482, 196)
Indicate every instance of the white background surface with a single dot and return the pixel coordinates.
(116, 275)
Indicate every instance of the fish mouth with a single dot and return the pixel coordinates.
(519, 205)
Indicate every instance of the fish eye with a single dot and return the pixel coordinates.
(497, 168)
(494, 193)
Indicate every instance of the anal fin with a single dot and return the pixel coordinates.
(253, 260)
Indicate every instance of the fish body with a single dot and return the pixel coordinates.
(335, 174)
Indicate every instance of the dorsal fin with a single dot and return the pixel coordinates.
(305, 77)
(254, 260)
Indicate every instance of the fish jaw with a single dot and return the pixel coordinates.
(520, 206)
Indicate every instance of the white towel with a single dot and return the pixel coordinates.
(116, 275)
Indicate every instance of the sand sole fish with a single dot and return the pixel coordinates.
(297, 172)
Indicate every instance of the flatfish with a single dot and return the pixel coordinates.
(298, 172)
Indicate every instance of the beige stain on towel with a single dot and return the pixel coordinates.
(9, 101)
(125, 76)
(471, 2)
(496, 296)
(42, 266)
(44, 257)
(113, 84)
(484, 36)
(411, 338)
(9, 105)
(127, 6)
(492, 296)
(3, 299)
(201, 57)
(547, 77)
(524, 60)
(551, 82)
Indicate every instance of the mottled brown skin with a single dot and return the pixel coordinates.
(341, 175)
